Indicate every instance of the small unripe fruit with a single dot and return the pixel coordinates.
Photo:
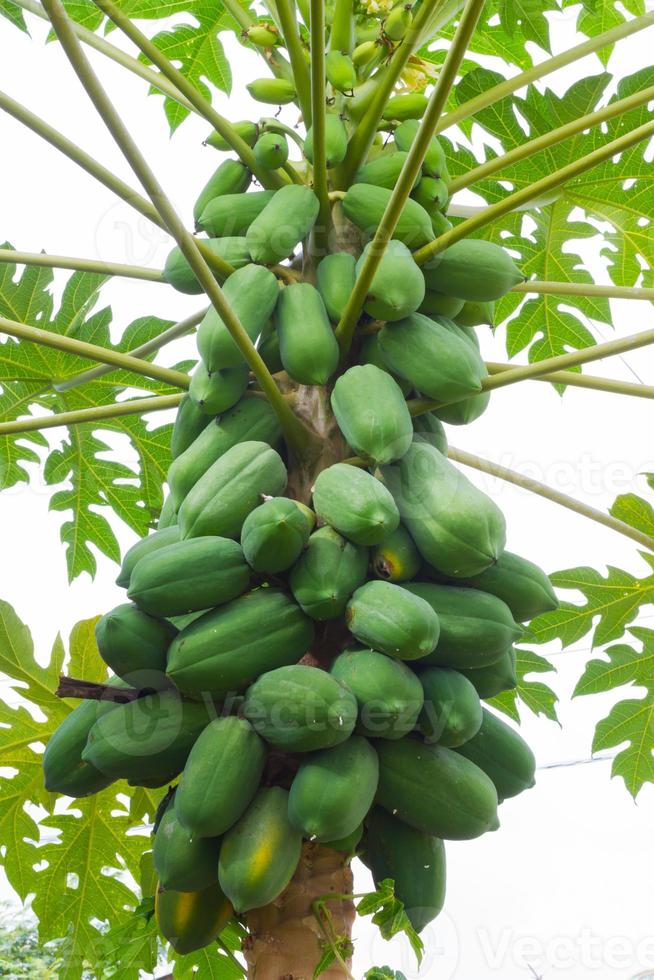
(398, 22)
(272, 91)
(261, 35)
(271, 151)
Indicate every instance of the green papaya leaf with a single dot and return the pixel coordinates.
(534, 695)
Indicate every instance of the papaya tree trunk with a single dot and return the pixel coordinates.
(286, 941)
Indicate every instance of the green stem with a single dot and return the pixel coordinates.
(269, 125)
(321, 231)
(551, 138)
(290, 170)
(341, 34)
(526, 483)
(410, 170)
(305, 13)
(216, 262)
(575, 380)
(81, 265)
(511, 85)
(82, 348)
(136, 406)
(537, 189)
(297, 58)
(149, 347)
(294, 430)
(583, 289)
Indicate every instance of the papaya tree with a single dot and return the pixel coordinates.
(317, 639)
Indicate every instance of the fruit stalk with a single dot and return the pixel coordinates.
(136, 406)
(81, 265)
(322, 228)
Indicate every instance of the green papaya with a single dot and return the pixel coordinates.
(167, 514)
(335, 280)
(268, 348)
(271, 151)
(286, 220)
(231, 177)
(438, 304)
(272, 91)
(327, 574)
(396, 559)
(365, 54)
(388, 693)
(355, 504)
(229, 647)
(429, 428)
(383, 171)
(183, 862)
(250, 420)
(299, 708)
(149, 738)
(192, 920)
(333, 790)
(232, 487)
(335, 141)
(396, 24)
(474, 269)
(372, 414)
(495, 678)
(364, 206)
(188, 576)
(363, 94)
(378, 615)
(465, 411)
(451, 714)
(503, 755)
(340, 70)
(64, 770)
(440, 224)
(260, 854)
(427, 787)
(247, 130)
(457, 529)
(414, 860)
(178, 273)
(476, 628)
(348, 845)
(145, 546)
(521, 584)
(307, 343)
(220, 778)
(189, 423)
(275, 534)
(432, 193)
(366, 29)
(475, 314)
(371, 354)
(398, 285)
(402, 107)
(264, 36)
(133, 644)
(437, 362)
(434, 163)
(232, 214)
(215, 391)
(252, 293)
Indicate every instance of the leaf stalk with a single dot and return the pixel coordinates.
(99, 413)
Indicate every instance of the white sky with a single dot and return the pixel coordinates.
(565, 884)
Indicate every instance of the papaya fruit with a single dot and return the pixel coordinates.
(402, 107)
(183, 862)
(215, 391)
(434, 164)
(366, 56)
(476, 628)
(359, 103)
(438, 304)
(427, 787)
(372, 414)
(378, 615)
(307, 343)
(414, 860)
(398, 285)
(335, 281)
(232, 214)
(188, 576)
(231, 177)
(189, 423)
(299, 708)
(389, 695)
(398, 21)
(396, 559)
(383, 171)
(440, 224)
(348, 845)
(474, 269)
(145, 546)
(333, 790)
(220, 778)
(465, 411)
(495, 678)
(147, 739)
(451, 714)
(335, 141)
(192, 920)
(252, 293)
(232, 487)
(476, 314)
(133, 644)
(272, 91)
(429, 428)
(327, 574)
(432, 193)
(271, 151)
(264, 36)
(500, 752)
(371, 354)
(287, 218)
(268, 348)
(247, 130)
(521, 584)
(275, 534)
(436, 361)
(167, 514)
(366, 29)
(364, 206)
(340, 71)
(178, 273)
(457, 529)
(355, 504)
(229, 647)
(250, 420)
(260, 854)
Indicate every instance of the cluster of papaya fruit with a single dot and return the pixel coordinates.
(316, 669)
